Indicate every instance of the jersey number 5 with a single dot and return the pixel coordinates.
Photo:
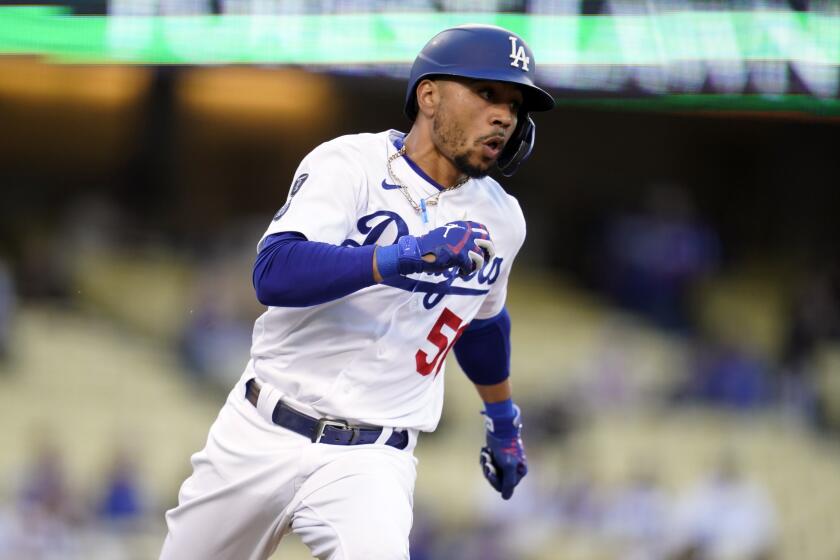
(444, 344)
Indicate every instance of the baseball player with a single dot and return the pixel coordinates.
(391, 250)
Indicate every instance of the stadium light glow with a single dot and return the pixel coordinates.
(688, 52)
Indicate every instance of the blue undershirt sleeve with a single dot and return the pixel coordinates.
(483, 350)
(291, 271)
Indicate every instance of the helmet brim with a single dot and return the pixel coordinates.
(534, 98)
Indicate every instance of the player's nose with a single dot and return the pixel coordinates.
(502, 116)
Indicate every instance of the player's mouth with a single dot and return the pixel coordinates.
(492, 147)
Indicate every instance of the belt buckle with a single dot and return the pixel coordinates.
(322, 425)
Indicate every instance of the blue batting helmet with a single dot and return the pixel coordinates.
(485, 52)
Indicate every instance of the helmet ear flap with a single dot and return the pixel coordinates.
(519, 146)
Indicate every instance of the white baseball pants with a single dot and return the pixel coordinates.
(254, 482)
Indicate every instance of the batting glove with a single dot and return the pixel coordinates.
(503, 459)
(462, 245)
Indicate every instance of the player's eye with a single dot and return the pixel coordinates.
(486, 93)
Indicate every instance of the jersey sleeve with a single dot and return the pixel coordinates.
(494, 303)
(324, 197)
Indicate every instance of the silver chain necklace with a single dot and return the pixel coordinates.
(430, 200)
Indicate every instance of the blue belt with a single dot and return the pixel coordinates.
(323, 430)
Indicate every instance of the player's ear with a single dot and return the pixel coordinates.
(428, 97)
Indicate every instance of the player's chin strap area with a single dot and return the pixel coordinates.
(267, 401)
(519, 147)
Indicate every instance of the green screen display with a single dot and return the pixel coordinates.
(687, 53)
(395, 38)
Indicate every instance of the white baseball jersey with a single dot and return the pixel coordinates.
(377, 356)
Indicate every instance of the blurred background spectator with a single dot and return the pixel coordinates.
(655, 258)
(726, 516)
(639, 516)
(47, 515)
(727, 375)
(121, 503)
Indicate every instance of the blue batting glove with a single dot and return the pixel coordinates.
(503, 459)
(462, 245)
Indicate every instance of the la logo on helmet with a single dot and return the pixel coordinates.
(517, 54)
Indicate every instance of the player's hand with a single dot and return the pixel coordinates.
(503, 460)
(463, 245)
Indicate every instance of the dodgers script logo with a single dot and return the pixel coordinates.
(373, 226)
(374, 232)
(517, 54)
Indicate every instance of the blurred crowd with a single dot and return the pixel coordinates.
(655, 262)
(722, 515)
(49, 516)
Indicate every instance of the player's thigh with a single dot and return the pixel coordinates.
(358, 505)
(234, 505)
(221, 522)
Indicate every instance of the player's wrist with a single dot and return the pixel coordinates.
(502, 419)
(501, 409)
(387, 261)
